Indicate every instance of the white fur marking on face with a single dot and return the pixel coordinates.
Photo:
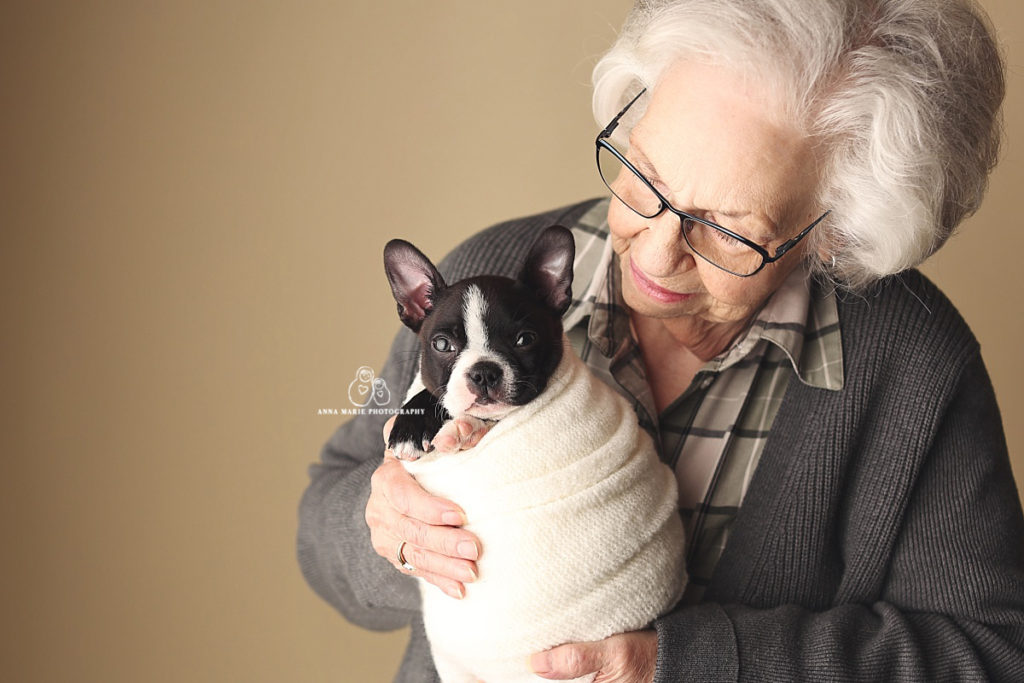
(474, 311)
(458, 398)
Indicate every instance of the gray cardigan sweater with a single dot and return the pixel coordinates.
(881, 538)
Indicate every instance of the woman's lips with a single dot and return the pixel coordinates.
(653, 290)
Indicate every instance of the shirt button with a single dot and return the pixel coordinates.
(707, 381)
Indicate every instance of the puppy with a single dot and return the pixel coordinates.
(576, 515)
(487, 344)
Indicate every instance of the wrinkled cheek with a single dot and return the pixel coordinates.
(623, 224)
(620, 246)
(734, 300)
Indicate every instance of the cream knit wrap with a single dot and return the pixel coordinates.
(578, 523)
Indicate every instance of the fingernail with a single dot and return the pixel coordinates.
(467, 550)
(465, 429)
(540, 664)
(452, 518)
(458, 592)
(469, 574)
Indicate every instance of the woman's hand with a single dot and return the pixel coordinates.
(627, 657)
(400, 510)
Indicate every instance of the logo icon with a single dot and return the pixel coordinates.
(366, 388)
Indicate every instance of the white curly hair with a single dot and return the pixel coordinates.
(902, 98)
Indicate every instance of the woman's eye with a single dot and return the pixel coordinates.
(525, 339)
(726, 239)
(441, 344)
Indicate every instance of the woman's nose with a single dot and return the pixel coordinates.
(666, 226)
(666, 244)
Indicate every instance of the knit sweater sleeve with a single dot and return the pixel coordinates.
(334, 549)
(949, 604)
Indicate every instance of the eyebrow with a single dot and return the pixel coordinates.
(645, 166)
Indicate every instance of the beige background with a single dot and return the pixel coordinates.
(194, 197)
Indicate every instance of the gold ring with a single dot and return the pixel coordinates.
(401, 559)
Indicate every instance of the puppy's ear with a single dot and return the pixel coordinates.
(415, 282)
(548, 268)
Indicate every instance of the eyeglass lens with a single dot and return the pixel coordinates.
(709, 243)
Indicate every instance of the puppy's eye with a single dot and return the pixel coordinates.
(525, 338)
(441, 344)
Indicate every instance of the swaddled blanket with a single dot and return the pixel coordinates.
(578, 523)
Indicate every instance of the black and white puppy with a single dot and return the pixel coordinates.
(565, 491)
(488, 344)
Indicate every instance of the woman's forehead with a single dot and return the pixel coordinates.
(708, 131)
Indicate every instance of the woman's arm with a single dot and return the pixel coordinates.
(334, 547)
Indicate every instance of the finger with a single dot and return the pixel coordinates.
(452, 589)
(569, 661)
(430, 564)
(417, 564)
(447, 541)
(390, 521)
(387, 428)
(443, 554)
(624, 658)
(404, 493)
(447, 573)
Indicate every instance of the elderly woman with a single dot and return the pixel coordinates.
(776, 170)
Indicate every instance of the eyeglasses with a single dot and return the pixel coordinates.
(719, 246)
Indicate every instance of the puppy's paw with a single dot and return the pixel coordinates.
(460, 433)
(409, 451)
(410, 437)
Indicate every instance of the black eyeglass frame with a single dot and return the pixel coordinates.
(766, 258)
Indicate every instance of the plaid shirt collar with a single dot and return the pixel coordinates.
(801, 317)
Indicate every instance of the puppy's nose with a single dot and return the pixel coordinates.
(483, 376)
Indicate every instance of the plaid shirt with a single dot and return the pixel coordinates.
(713, 434)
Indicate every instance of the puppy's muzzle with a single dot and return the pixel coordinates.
(485, 380)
